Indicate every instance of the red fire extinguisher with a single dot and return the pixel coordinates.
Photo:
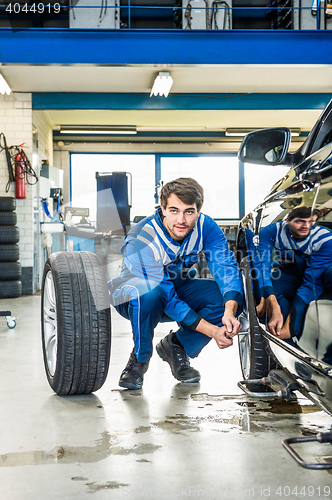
(20, 174)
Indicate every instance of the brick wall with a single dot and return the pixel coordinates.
(45, 136)
(16, 125)
(43, 130)
(17, 122)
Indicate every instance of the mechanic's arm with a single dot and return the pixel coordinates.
(285, 330)
(223, 335)
(275, 318)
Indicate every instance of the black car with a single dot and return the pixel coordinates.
(284, 248)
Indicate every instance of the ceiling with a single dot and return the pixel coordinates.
(233, 79)
(187, 79)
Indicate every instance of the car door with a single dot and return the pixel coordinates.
(280, 264)
(316, 338)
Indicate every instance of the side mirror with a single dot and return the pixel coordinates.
(265, 147)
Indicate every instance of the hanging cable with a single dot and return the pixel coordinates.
(71, 7)
(187, 14)
(216, 6)
(47, 212)
(11, 152)
(103, 11)
(4, 147)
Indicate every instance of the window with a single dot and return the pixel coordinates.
(259, 179)
(84, 186)
(219, 176)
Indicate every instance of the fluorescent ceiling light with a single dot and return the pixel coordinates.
(176, 129)
(295, 132)
(241, 132)
(238, 132)
(98, 129)
(4, 87)
(162, 84)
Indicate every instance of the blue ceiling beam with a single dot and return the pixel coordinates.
(112, 47)
(179, 101)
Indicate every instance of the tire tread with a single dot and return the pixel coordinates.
(83, 323)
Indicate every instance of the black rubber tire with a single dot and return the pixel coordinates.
(259, 359)
(10, 289)
(82, 312)
(10, 271)
(8, 218)
(7, 204)
(9, 234)
(9, 253)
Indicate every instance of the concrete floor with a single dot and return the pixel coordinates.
(169, 440)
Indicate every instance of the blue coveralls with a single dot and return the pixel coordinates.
(157, 282)
(292, 269)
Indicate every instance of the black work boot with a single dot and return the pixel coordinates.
(177, 359)
(132, 375)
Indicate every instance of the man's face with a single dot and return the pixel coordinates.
(300, 228)
(179, 219)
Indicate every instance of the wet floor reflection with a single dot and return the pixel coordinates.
(187, 412)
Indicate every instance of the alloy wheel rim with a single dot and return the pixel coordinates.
(244, 346)
(50, 324)
(244, 338)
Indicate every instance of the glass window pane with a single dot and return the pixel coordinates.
(259, 179)
(84, 185)
(218, 175)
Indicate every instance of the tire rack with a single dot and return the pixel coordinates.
(10, 269)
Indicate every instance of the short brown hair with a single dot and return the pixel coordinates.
(186, 189)
(303, 213)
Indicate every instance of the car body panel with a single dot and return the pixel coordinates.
(308, 183)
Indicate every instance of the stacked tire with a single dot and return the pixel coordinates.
(10, 269)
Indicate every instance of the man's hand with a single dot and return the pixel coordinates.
(222, 339)
(275, 324)
(261, 308)
(223, 335)
(276, 319)
(233, 326)
(285, 331)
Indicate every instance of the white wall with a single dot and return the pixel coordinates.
(45, 136)
(17, 122)
(44, 133)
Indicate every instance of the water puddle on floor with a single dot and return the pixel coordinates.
(104, 447)
(276, 406)
(279, 407)
(181, 423)
(109, 485)
(234, 413)
(205, 413)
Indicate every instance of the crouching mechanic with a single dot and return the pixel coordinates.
(295, 260)
(157, 283)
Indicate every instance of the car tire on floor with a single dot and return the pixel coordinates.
(254, 357)
(76, 323)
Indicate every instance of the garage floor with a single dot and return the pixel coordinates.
(169, 440)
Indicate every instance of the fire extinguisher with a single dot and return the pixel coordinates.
(20, 174)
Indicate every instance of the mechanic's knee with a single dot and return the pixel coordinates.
(327, 280)
(152, 294)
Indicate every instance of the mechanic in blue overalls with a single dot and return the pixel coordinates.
(295, 259)
(157, 283)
